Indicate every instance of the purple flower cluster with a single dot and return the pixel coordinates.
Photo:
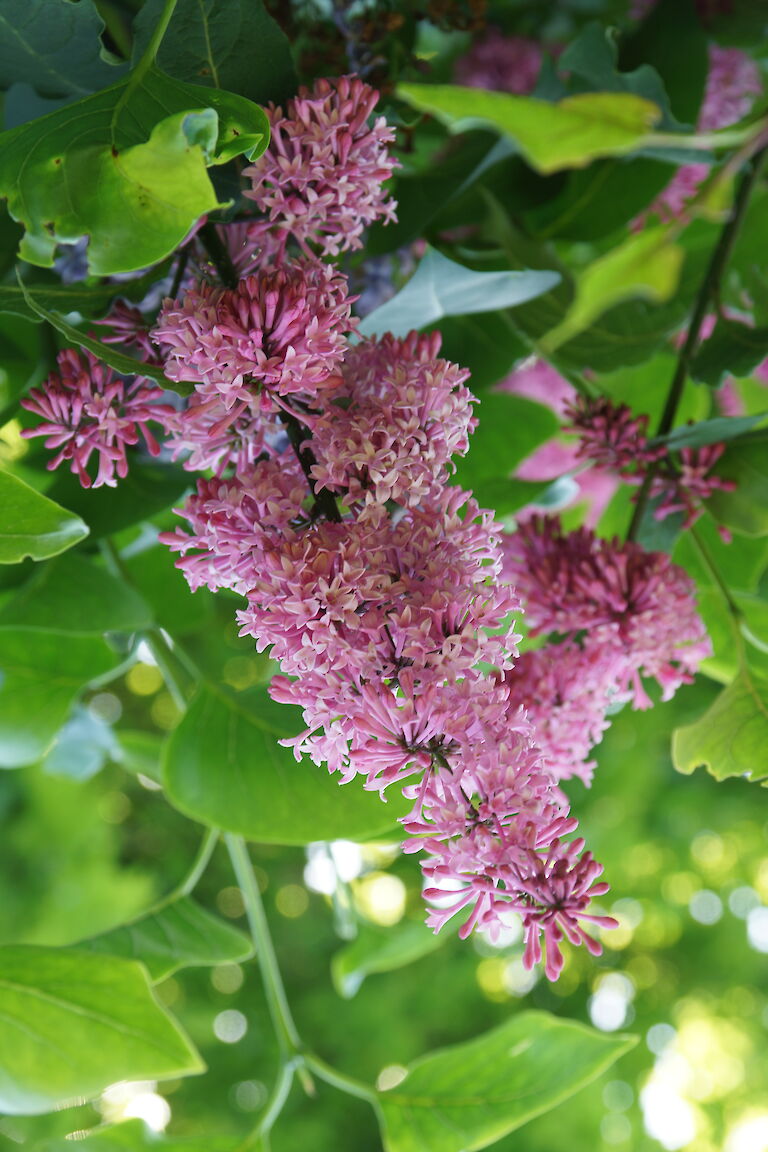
(320, 180)
(610, 437)
(87, 409)
(387, 596)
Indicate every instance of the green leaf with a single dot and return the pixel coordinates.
(229, 44)
(745, 509)
(440, 287)
(82, 747)
(715, 431)
(74, 1023)
(551, 136)
(646, 266)
(179, 935)
(88, 300)
(145, 491)
(55, 46)
(593, 58)
(125, 167)
(381, 950)
(731, 737)
(74, 595)
(657, 41)
(466, 1097)
(223, 766)
(141, 752)
(39, 678)
(136, 1136)
(732, 350)
(33, 525)
(510, 428)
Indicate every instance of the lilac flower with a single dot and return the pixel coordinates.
(232, 521)
(278, 333)
(637, 605)
(565, 690)
(86, 408)
(320, 180)
(209, 435)
(393, 422)
(610, 436)
(501, 63)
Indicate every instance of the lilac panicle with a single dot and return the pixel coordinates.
(86, 408)
(320, 180)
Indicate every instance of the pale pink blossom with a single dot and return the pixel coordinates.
(320, 180)
(393, 422)
(280, 332)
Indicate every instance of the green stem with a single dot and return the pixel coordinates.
(200, 863)
(707, 292)
(219, 255)
(338, 1079)
(259, 1137)
(147, 60)
(285, 1028)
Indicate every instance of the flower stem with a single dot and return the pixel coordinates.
(285, 1028)
(219, 255)
(258, 1139)
(338, 1079)
(146, 61)
(707, 293)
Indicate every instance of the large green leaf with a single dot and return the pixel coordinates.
(551, 136)
(32, 525)
(382, 950)
(224, 767)
(40, 676)
(510, 428)
(441, 287)
(731, 737)
(229, 44)
(645, 266)
(179, 935)
(125, 167)
(145, 491)
(136, 1136)
(73, 595)
(466, 1097)
(657, 41)
(55, 46)
(732, 350)
(74, 1023)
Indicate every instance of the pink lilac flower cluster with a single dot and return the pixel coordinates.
(501, 63)
(611, 437)
(634, 609)
(87, 409)
(387, 596)
(320, 180)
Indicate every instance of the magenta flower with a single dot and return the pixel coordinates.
(233, 521)
(637, 605)
(611, 437)
(86, 408)
(320, 180)
(206, 435)
(501, 63)
(279, 333)
(393, 422)
(565, 690)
